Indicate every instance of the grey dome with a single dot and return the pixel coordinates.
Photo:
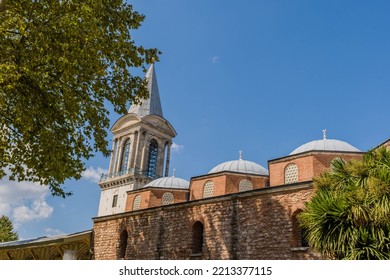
(169, 183)
(325, 145)
(242, 166)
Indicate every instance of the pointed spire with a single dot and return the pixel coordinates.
(324, 133)
(240, 152)
(152, 105)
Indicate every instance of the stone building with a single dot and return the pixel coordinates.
(239, 210)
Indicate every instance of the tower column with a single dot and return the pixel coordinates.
(134, 147)
(113, 154)
(130, 155)
(138, 141)
(144, 153)
(119, 155)
(167, 160)
(160, 157)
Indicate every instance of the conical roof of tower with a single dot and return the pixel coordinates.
(152, 105)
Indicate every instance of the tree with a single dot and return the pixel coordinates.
(61, 62)
(7, 230)
(349, 215)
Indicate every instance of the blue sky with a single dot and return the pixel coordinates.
(259, 76)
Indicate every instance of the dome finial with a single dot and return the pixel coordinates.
(174, 172)
(324, 133)
(240, 152)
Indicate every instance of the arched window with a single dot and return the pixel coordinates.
(245, 185)
(122, 245)
(208, 189)
(299, 238)
(137, 202)
(114, 200)
(197, 238)
(291, 173)
(167, 198)
(152, 162)
(125, 156)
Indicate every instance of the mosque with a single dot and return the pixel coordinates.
(238, 210)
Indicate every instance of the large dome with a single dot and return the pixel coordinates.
(325, 145)
(169, 183)
(242, 166)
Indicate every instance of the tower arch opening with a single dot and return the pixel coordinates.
(197, 237)
(152, 159)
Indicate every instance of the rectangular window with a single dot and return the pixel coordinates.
(114, 200)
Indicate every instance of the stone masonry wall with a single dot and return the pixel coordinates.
(249, 225)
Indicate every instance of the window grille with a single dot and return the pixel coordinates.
(167, 198)
(291, 173)
(152, 162)
(137, 202)
(208, 190)
(245, 185)
(125, 156)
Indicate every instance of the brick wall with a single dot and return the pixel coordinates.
(224, 183)
(322, 162)
(309, 165)
(305, 169)
(145, 197)
(249, 225)
(197, 185)
(152, 197)
(156, 196)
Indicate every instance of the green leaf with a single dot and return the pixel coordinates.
(60, 63)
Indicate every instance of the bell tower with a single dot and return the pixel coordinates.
(141, 149)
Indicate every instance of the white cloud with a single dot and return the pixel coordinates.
(176, 148)
(4, 208)
(215, 59)
(24, 201)
(53, 231)
(93, 174)
(38, 210)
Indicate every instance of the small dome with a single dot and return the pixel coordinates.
(242, 166)
(325, 145)
(169, 183)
